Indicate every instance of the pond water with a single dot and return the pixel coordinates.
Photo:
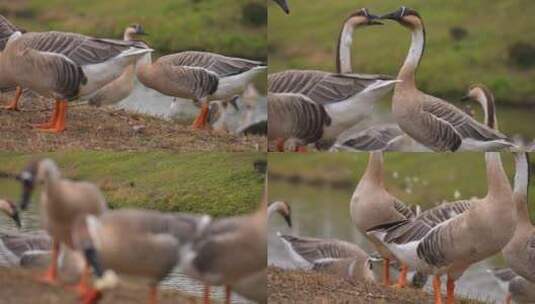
(323, 212)
(176, 280)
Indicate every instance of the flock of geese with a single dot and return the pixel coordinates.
(69, 66)
(83, 235)
(444, 240)
(310, 107)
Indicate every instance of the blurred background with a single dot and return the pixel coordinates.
(319, 187)
(490, 42)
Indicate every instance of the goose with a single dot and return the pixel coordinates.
(140, 243)
(232, 252)
(62, 202)
(447, 239)
(372, 205)
(519, 289)
(121, 87)
(431, 121)
(16, 248)
(199, 76)
(219, 114)
(342, 100)
(282, 208)
(284, 5)
(7, 29)
(65, 66)
(482, 95)
(10, 209)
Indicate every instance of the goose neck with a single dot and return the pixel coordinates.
(497, 181)
(345, 42)
(487, 104)
(374, 173)
(408, 71)
(521, 188)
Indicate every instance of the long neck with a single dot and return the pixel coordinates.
(498, 184)
(374, 171)
(520, 193)
(416, 52)
(489, 110)
(343, 53)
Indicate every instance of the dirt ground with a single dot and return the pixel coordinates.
(290, 286)
(106, 129)
(21, 287)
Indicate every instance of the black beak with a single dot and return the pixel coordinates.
(288, 220)
(373, 20)
(466, 98)
(91, 257)
(16, 218)
(284, 5)
(394, 15)
(234, 103)
(27, 189)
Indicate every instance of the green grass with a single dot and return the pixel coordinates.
(219, 184)
(432, 177)
(307, 39)
(174, 25)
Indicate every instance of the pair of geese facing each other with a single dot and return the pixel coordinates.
(228, 251)
(306, 106)
(446, 239)
(68, 66)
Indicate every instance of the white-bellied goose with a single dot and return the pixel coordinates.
(335, 257)
(62, 201)
(449, 238)
(7, 29)
(519, 290)
(66, 66)
(232, 252)
(431, 121)
(139, 243)
(199, 76)
(372, 205)
(342, 100)
(121, 87)
(284, 5)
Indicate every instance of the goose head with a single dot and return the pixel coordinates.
(482, 95)
(476, 92)
(361, 270)
(134, 30)
(407, 17)
(35, 173)
(284, 5)
(11, 210)
(283, 209)
(362, 17)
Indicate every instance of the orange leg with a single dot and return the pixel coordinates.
(206, 297)
(402, 281)
(509, 298)
(386, 272)
(200, 121)
(280, 145)
(51, 275)
(52, 122)
(228, 294)
(451, 291)
(436, 289)
(59, 125)
(92, 296)
(83, 287)
(153, 295)
(14, 104)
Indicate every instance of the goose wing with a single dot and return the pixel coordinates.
(466, 126)
(19, 244)
(221, 65)
(321, 87)
(403, 209)
(199, 81)
(373, 138)
(6, 30)
(315, 250)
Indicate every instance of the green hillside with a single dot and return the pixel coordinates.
(307, 39)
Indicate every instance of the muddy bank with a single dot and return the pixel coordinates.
(105, 129)
(289, 286)
(20, 286)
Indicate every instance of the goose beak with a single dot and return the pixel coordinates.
(234, 103)
(284, 5)
(397, 15)
(373, 20)
(288, 219)
(16, 218)
(93, 260)
(466, 98)
(27, 188)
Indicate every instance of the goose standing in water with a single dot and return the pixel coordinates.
(311, 105)
(431, 121)
(372, 205)
(199, 76)
(65, 66)
(7, 29)
(284, 5)
(121, 87)
(447, 239)
(62, 202)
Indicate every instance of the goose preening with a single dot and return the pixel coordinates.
(65, 66)
(520, 290)
(121, 87)
(199, 76)
(447, 239)
(282, 208)
(138, 243)
(431, 121)
(372, 205)
(62, 201)
(311, 105)
(284, 5)
(231, 252)
(7, 29)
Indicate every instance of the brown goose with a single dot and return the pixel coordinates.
(7, 29)
(485, 98)
(431, 121)
(65, 66)
(284, 5)
(199, 76)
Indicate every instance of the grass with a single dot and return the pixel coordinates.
(219, 184)
(307, 39)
